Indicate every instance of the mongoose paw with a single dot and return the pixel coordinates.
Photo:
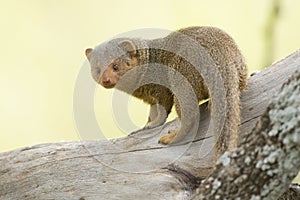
(148, 126)
(153, 124)
(167, 139)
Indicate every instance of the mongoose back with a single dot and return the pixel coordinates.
(107, 69)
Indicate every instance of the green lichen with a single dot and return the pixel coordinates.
(282, 160)
(255, 197)
(224, 159)
(273, 156)
(215, 185)
(247, 160)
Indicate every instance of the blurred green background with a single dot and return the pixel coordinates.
(43, 43)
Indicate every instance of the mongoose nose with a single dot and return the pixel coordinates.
(106, 81)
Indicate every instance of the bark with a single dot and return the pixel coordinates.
(136, 167)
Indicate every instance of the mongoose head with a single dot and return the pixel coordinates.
(111, 60)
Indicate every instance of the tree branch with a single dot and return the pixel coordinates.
(137, 167)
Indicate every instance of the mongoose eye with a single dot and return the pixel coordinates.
(115, 67)
(98, 71)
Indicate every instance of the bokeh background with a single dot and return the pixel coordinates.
(43, 43)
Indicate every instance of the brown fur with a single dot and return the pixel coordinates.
(225, 54)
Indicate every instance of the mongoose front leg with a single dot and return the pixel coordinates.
(157, 116)
(152, 114)
(169, 138)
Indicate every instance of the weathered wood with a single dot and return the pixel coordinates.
(132, 167)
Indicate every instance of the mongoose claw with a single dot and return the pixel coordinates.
(167, 139)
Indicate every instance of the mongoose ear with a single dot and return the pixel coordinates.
(88, 53)
(128, 46)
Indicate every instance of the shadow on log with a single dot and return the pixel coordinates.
(137, 167)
